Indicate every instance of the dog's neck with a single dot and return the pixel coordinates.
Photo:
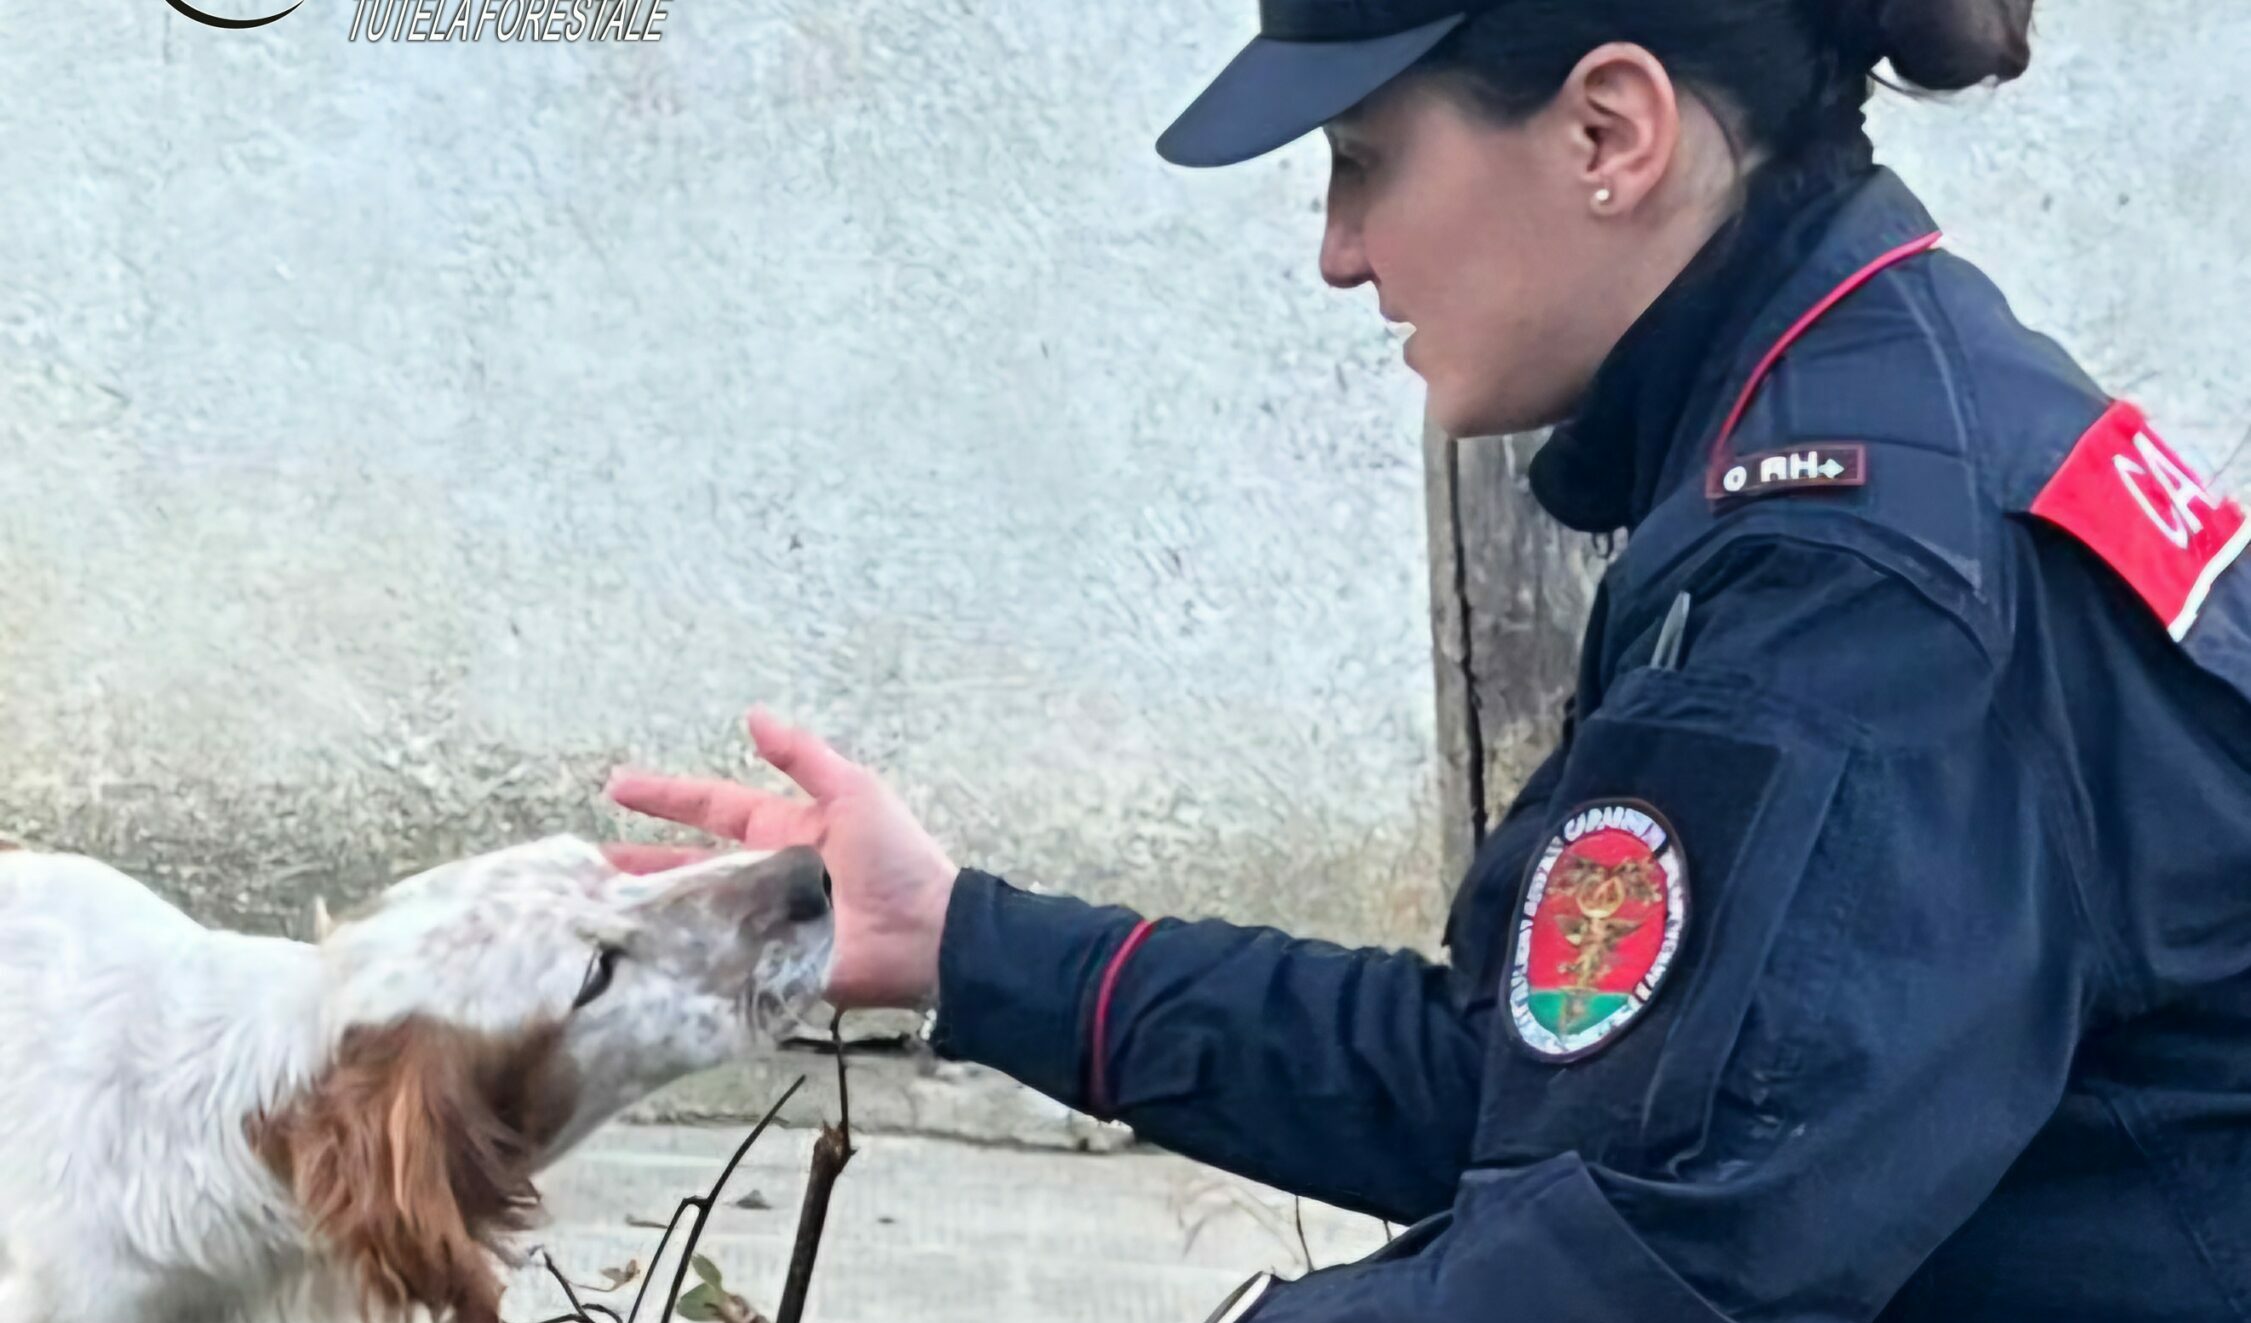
(251, 1019)
(232, 1026)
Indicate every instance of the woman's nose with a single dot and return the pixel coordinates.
(1344, 258)
(1343, 264)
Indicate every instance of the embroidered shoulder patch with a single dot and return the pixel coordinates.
(2126, 494)
(1603, 913)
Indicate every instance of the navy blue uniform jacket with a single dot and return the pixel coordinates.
(1948, 750)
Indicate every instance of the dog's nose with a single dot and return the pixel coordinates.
(808, 890)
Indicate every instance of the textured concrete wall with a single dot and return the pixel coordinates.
(397, 434)
(393, 436)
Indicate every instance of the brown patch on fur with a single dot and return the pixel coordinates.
(412, 1157)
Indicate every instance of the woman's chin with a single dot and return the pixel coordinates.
(1455, 416)
(1461, 413)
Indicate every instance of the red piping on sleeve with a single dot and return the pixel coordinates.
(1804, 324)
(1098, 1085)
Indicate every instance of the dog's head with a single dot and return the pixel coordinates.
(491, 1012)
(643, 978)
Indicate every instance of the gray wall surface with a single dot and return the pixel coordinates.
(394, 436)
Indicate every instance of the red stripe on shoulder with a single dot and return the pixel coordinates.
(1797, 329)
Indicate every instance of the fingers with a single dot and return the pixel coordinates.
(759, 820)
(629, 858)
(800, 755)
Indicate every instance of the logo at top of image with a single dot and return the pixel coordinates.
(592, 21)
(187, 10)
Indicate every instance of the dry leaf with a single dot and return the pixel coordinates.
(617, 1277)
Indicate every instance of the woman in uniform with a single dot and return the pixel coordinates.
(1873, 944)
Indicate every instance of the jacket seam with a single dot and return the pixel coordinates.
(1960, 376)
(1777, 537)
(2161, 1168)
(2066, 831)
(1733, 687)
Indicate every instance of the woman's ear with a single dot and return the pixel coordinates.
(1624, 116)
(405, 1164)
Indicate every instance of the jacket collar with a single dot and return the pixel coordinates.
(1655, 403)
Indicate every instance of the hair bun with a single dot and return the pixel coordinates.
(1948, 45)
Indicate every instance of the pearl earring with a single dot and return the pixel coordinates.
(1602, 196)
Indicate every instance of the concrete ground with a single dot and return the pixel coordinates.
(931, 1230)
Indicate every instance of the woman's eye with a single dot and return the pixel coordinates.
(598, 973)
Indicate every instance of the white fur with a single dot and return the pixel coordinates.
(135, 1043)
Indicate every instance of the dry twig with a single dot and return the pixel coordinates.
(831, 1151)
(703, 1204)
(579, 1308)
(830, 1154)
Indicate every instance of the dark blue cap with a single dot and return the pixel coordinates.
(1311, 61)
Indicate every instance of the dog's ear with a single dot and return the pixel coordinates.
(411, 1159)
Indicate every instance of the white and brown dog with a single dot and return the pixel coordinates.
(208, 1125)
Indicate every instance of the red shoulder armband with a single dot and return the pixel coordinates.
(2125, 494)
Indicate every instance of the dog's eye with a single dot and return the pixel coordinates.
(598, 972)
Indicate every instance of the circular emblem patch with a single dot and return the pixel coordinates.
(1601, 922)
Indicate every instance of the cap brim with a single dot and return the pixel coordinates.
(1275, 92)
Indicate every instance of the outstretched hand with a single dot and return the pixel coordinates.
(890, 880)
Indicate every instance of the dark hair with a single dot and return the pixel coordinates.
(1788, 73)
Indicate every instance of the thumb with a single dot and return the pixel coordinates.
(800, 755)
